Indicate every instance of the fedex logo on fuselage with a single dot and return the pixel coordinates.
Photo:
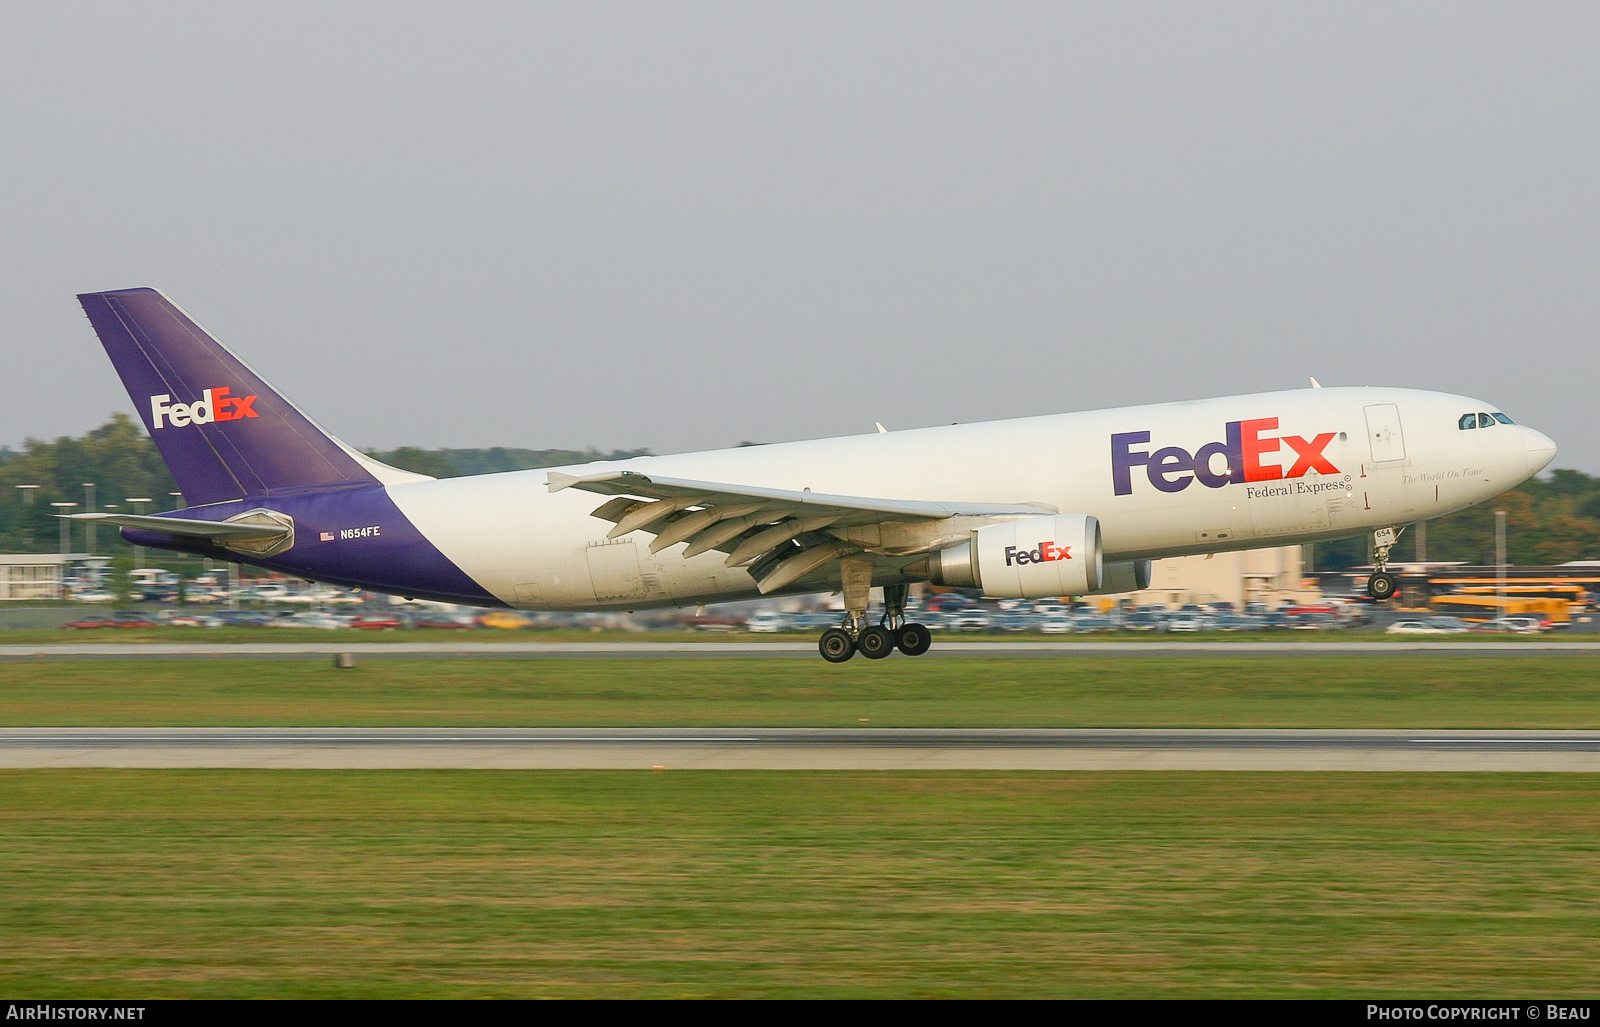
(213, 405)
(1172, 469)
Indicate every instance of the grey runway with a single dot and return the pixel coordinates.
(777, 650)
(861, 748)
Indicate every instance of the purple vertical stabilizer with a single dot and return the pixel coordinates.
(223, 431)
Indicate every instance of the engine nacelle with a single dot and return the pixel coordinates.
(1028, 558)
(1123, 576)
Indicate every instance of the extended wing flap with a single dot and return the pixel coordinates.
(783, 534)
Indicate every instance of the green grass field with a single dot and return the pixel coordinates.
(1403, 690)
(143, 884)
(184, 883)
(352, 636)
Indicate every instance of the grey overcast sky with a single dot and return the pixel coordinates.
(682, 225)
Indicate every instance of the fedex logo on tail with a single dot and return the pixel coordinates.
(213, 405)
(1246, 443)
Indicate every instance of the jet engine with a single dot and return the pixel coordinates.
(1123, 576)
(1028, 558)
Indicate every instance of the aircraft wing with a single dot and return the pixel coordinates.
(785, 534)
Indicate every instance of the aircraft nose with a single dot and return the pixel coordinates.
(1541, 449)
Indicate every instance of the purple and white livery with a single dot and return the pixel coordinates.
(1065, 504)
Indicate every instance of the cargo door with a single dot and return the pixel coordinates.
(1383, 433)
(614, 569)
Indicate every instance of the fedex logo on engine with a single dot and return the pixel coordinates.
(1044, 552)
(213, 405)
(1172, 469)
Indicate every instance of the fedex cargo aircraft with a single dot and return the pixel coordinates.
(1061, 505)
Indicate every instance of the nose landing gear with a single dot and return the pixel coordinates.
(872, 641)
(1382, 584)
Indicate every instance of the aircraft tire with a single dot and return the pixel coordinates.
(1381, 586)
(914, 639)
(836, 645)
(875, 642)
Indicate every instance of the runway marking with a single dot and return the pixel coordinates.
(780, 650)
(1509, 741)
(844, 748)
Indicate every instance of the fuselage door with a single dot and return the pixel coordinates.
(1383, 432)
(614, 569)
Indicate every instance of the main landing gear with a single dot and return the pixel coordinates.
(1382, 584)
(874, 641)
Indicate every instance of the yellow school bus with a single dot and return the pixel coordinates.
(1479, 607)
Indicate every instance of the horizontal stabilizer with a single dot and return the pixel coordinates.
(184, 526)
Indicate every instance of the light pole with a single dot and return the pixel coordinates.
(27, 502)
(1500, 557)
(88, 526)
(66, 542)
(66, 526)
(138, 508)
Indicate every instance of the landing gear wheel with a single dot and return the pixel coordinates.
(1381, 585)
(875, 642)
(836, 645)
(913, 639)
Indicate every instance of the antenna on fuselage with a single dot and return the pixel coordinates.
(1315, 384)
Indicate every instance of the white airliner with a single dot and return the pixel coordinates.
(1062, 505)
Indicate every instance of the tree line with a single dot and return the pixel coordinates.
(1549, 520)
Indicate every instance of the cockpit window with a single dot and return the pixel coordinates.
(1502, 418)
(1467, 421)
(1485, 421)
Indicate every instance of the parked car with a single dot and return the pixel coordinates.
(1056, 624)
(765, 622)
(178, 619)
(1016, 622)
(270, 591)
(240, 618)
(443, 622)
(374, 622)
(1453, 625)
(971, 620)
(307, 620)
(129, 619)
(815, 621)
(505, 620)
(1417, 627)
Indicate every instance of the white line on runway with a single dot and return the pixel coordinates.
(1507, 741)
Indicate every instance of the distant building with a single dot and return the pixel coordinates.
(1270, 576)
(48, 575)
(32, 575)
